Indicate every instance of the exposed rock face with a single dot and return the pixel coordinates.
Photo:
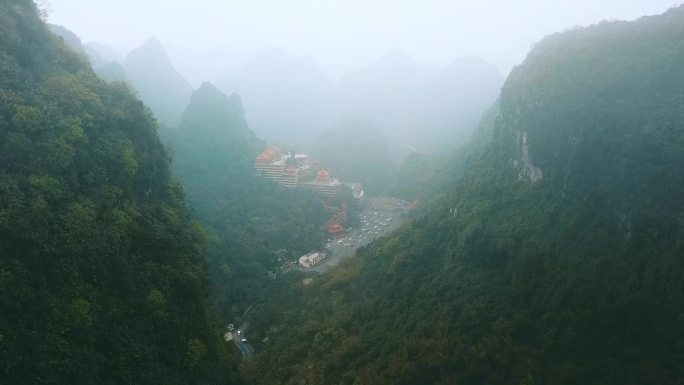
(526, 170)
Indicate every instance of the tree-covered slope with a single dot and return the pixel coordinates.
(102, 271)
(250, 217)
(426, 176)
(557, 258)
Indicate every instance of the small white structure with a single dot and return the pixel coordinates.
(312, 258)
(302, 161)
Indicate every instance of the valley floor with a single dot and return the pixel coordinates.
(380, 217)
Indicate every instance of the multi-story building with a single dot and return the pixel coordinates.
(312, 258)
(324, 184)
(285, 168)
(272, 164)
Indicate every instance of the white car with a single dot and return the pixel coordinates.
(244, 340)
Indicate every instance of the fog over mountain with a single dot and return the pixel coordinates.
(342, 192)
(287, 98)
(157, 82)
(70, 38)
(342, 35)
(412, 103)
(422, 73)
(101, 54)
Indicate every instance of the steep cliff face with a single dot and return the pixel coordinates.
(599, 109)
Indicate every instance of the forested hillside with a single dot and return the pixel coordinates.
(253, 221)
(556, 259)
(356, 151)
(102, 271)
(427, 176)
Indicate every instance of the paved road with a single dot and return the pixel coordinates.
(381, 217)
(245, 348)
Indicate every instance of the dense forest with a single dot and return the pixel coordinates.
(102, 268)
(546, 250)
(556, 258)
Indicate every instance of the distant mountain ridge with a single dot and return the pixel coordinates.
(286, 98)
(356, 151)
(432, 109)
(290, 100)
(147, 69)
(555, 259)
(158, 84)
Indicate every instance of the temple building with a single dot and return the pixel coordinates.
(273, 164)
(285, 169)
(324, 184)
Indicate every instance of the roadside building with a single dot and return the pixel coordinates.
(312, 259)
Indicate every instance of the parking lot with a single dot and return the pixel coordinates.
(381, 216)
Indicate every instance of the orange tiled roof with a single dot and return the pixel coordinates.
(323, 175)
(268, 153)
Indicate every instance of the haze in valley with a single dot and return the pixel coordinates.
(422, 74)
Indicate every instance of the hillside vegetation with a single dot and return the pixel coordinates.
(556, 259)
(102, 271)
(252, 221)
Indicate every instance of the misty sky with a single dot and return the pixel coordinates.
(340, 34)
